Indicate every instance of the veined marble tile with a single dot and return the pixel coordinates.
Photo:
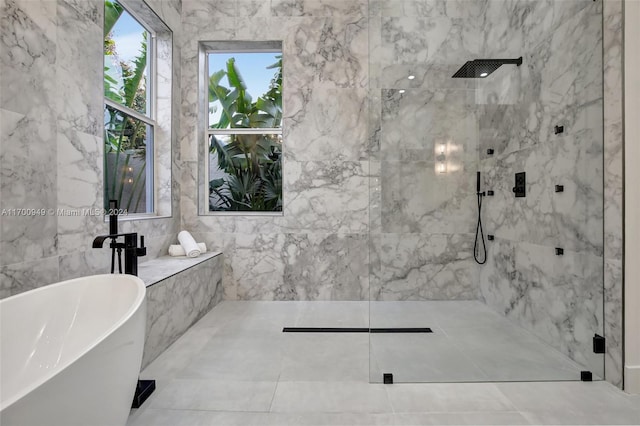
(613, 195)
(298, 266)
(429, 125)
(28, 42)
(428, 76)
(170, 11)
(417, 198)
(28, 182)
(326, 196)
(428, 8)
(255, 266)
(79, 98)
(328, 52)
(571, 219)
(613, 320)
(324, 8)
(204, 20)
(540, 18)
(436, 39)
(568, 64)
(316, 130)
(80, 188)
(325, 267)
(85, 262)
(20, 277)
(558, 298)
(253, 8)
(423, 267)
(613, 170)
(176, 303)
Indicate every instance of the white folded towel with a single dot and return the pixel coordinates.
(188, 244)
(176, 250)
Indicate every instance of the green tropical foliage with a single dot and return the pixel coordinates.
(124, 136)
(252, 163)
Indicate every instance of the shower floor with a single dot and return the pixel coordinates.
(236, 366)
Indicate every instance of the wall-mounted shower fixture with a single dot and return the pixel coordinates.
(558, 129)
(559, 188)
(490, 237)
(490, 193)
(559, 251)
(521, 185)
(479, 233)
(481, 68)
(490, 151)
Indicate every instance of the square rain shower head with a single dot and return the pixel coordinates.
(480, 68)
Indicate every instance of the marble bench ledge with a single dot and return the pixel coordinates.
(161, 268)
(187, 289)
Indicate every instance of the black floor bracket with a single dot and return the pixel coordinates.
(354, 330)
(144, 389)
(387, 378)
(586, 376)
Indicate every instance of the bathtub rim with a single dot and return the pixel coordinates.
(135, 306)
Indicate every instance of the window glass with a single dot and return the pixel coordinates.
(128, 120)
(244, 134)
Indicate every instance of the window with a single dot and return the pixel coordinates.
(244, 126)
(134, 98)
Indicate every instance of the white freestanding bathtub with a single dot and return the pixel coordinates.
(70, 352)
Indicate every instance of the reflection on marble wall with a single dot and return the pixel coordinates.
(426, 140)
(51, 114)
(559, 298)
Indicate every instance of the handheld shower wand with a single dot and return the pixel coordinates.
(479, 232)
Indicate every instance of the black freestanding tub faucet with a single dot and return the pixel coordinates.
(130, 244)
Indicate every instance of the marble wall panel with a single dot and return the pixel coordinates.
(427, 266)
(417, 198)
(318, 131)
(613, 189)
(558, 298)
(176, 303)
(421, 125)
(51, 152)
(28, 182)
(19, 277)
(326, 167)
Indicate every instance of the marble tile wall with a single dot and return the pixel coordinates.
(613, 189)
(559, 298)
(51, 116)
(318, 248)
(425, 141)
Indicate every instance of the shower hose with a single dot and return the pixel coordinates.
(479, 234)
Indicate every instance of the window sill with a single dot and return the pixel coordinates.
(132, 217)
(267, 214)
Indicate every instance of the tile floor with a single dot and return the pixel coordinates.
(236, 367)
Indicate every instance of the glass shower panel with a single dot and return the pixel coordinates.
(531, 311)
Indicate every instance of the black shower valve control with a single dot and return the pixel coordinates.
(490, 151)
(559, 251)
(490, 193)
(520, 190)
(558, 129)
(490, 237)
(559, 188)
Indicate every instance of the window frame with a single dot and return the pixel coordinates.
(157, 206)
(240, 47)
